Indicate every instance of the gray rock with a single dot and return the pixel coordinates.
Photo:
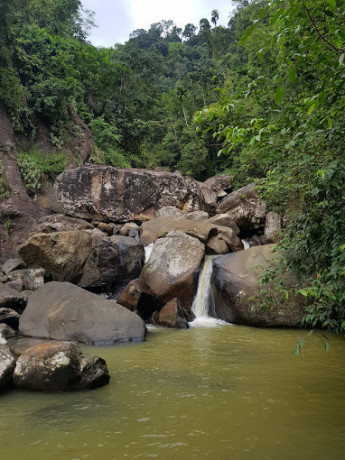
(245, 207)
(225, 241)
(61, 223)
(6, 331)
(124, 195)
(128, 228)
(86, 258)
(237, 291)
(13, 264)
(63, 311)
(10, 317)
(209, 197)
(197, 216)
(170, 211)
(173, 267)
(29, 278)
(113, 261)
(221, 184)
(201, 230)
(129, 297)
(7, 364)
(272, 228)
(10, 298)
(224, 220)
(62, 254)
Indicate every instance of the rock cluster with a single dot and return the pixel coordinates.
(112, 218)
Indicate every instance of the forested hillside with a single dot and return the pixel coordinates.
(262, 99)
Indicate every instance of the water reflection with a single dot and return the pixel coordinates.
(220, 393)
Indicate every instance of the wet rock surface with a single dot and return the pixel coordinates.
(58, 366)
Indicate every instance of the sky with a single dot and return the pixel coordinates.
(116, 19)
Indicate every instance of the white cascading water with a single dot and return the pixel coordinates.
(246, 244)
(148, 250)
(203, 304)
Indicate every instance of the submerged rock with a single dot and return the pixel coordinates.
(63, 311)
(171, 315)
(58, 366)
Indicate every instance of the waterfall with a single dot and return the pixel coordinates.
(203, 304)
(148, 250)
(246, 244)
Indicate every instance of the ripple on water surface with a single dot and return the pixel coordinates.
(208, 392)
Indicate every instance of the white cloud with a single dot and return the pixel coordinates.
(145, 13)
(116, 19)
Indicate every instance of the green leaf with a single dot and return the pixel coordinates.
(330, 123)
(331, 4)
(279, 95)
(311, 108)
(247, 33)
(292, 74)
(342, 59)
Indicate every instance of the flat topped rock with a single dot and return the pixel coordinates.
(64, 311)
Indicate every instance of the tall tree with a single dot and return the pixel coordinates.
(214, 17)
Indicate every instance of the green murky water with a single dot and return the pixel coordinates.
(216, 393)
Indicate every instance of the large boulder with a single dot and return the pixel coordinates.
(7, 364)
(245, 207)
(87, 258)
(63, 311)
(62, 254)
(58, 366)
(121, 195)
(173, 268)
(237, 291)
(113, 261)
(220, 185)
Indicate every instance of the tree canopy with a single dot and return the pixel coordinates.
(262, 99)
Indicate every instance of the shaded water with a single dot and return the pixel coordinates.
(221, 393)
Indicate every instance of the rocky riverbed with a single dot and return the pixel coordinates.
(81, 274)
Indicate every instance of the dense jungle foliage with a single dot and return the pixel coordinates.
(262, 99)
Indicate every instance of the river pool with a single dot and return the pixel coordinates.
(220, 393)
